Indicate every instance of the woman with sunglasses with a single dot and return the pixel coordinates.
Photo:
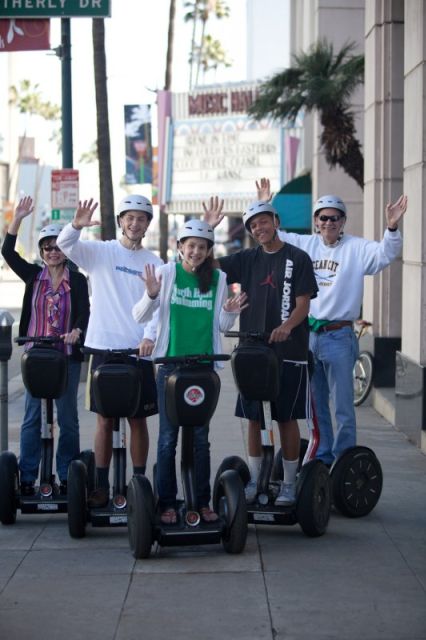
(56, 303)
(340, 263)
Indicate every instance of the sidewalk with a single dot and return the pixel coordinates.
(365, 578)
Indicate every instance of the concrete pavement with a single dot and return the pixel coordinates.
(364, 578)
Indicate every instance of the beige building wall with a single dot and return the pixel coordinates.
(414, 255)
(384, 143)
(338, 22)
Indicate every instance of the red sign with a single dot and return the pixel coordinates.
(24, 35)
(64, 188)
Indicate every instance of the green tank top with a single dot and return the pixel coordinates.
(191, 315)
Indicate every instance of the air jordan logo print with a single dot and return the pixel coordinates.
(269, 280)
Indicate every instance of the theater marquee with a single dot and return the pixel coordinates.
(214, 148)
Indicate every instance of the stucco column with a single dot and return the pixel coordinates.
(383, 147)
(411, 362)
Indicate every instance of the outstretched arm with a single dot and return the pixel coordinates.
(83, 215)
(213, 211)
(395, 211)
(263, 188)
(24, 208)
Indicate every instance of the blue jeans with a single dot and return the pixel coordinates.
(334, 354)
(166, 453)
(69, 440)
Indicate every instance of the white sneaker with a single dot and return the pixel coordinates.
(287, 495)
(251, 491)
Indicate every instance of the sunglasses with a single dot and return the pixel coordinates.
(51, 248)
(329, 218)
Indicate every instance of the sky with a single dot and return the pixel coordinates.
(136, 45)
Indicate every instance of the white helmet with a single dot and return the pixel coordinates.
(254, 209)
(135, 203)
(196, 229)
(329, 202)
(50, 231)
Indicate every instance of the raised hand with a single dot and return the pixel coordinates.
(263, 188)
(84, 213)
(395, 211)
(152, 285)
(24, 208)
(213, 211)
(237, 303)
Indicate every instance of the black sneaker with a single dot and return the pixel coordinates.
(98, 498)
(27, 489)
(63, 488)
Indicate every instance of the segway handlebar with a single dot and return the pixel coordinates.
(111, 352)
(200, 358)
(262, 336)
(40, 340)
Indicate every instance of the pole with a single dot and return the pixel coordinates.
(67, 150)
(4, 417)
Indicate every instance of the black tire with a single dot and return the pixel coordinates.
(88, 458)
(277, 472)
(357, 482)
(8, 487)
(313, 498)
(154, 485)
(363, 372)
(231, 462)
(77, 499)
(230, 504)
(140, 516)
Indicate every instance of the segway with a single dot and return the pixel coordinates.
(44, 373)
(117, 390)
(255, 367)
(192, 393)
(357, 481)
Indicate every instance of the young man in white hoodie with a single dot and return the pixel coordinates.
(114, 268)
(340, 262)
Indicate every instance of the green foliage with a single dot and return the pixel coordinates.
(28, 99)
(323, 81)
(211, 54)
(91, 155)
(318, 79)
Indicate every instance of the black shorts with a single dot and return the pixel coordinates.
(293, 401)
(148, 402)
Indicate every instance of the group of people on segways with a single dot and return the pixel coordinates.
(143, 310)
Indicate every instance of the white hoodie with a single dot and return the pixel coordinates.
(340, 270)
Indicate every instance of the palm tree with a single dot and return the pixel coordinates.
(108, 228)
(200, 11)
(321, 81)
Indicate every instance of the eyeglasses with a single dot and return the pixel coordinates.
(329, 218)
(51, 248)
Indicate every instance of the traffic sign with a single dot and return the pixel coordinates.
(64, 189)
(55, 8)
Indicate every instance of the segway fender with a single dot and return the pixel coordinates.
(231, 478)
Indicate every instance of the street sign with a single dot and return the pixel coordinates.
(55, 8)
(62, 215)
(64, 189)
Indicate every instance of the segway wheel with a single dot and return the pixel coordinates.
(8, 487)
(77, 499)
(230, 504)
(231, 462)
(154, 484)
(140, 516)
(357, 482)
(314, 498)
(88, 458)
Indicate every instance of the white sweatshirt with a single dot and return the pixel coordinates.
(115, 284)
(340, 270)
(145, 308)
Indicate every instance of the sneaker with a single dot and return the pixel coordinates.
(98, 498)
(27, 489)
(287, 495)
(251, 491)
